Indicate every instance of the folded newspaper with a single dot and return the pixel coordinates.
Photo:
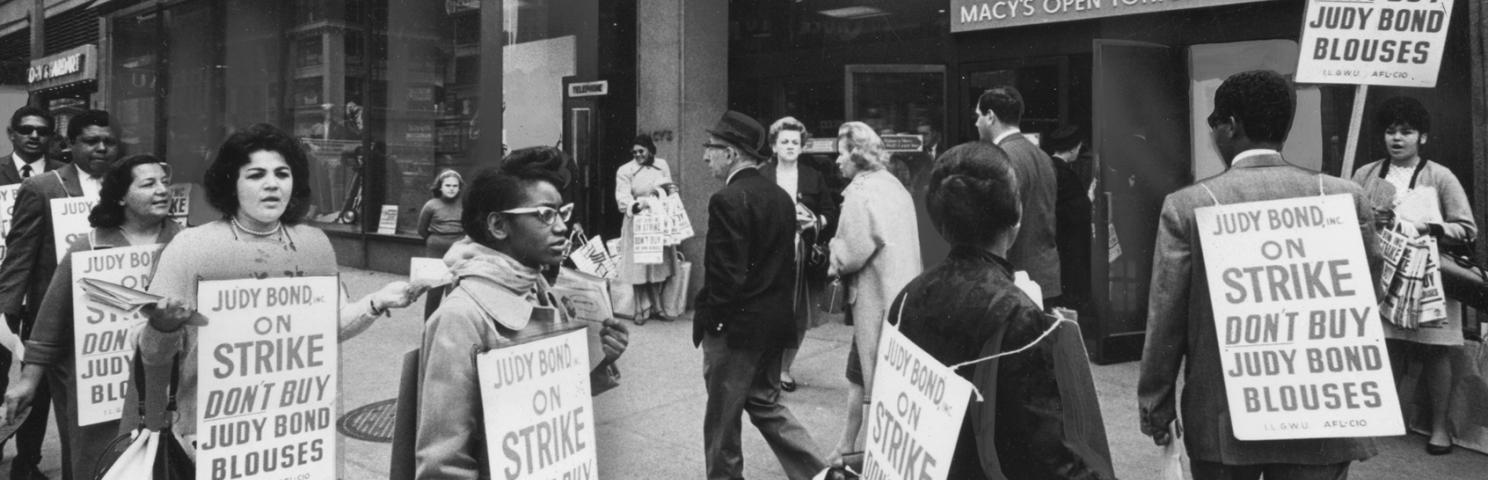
(115, 295)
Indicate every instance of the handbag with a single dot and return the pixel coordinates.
(143, 453)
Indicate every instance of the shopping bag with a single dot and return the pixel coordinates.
(674, 291)
(1173, 454)
(622, 299)
(146, 453)
(679, 225)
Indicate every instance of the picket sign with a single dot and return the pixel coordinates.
(1372, 42)
(70, 221)
(545, 426)
(1296, 319)
(284, 408)
(101, 331)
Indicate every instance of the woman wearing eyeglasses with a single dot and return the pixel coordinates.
(516, 225)
(639, 186)
(259, 182)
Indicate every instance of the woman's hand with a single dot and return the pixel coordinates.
(169, 315)
(18, 398)
(613, 339)
(397, 294)
(805, 220)
(1384, 218)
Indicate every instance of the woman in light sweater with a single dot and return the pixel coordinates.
(258, 181)
(1390, 182)
(874, 253)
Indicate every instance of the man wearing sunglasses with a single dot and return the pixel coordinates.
(30, 133)
(31, 258)
(744, 315)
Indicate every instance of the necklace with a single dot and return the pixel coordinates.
(275, 229)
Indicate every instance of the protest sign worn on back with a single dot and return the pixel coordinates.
(1300, 337)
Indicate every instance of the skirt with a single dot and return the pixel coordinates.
(1447, 333)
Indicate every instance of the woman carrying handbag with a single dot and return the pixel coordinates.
(144, 453)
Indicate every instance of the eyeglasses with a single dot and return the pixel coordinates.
(25, 130)
(720, 146)
(639, 153)
(546, 215)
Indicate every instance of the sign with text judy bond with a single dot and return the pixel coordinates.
(1300, 337)
(70, 221)
(540, 415)
(7, 210)
(971, 15)
(267, 363)
(916, 401)
(1373, 42)
(101, 330)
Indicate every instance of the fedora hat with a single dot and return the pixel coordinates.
(742, 132)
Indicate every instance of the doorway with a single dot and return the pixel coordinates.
(1141, 142)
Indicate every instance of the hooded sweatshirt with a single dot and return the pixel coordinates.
(495, 301)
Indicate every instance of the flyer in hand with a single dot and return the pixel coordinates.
(116, 295)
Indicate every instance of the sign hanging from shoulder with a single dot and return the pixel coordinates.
(971, 15)
(545, 428)
(916, 400)
(1300, 337)
(1374, 42)
(267, 394)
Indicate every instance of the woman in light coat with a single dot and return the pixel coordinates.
(873, 252)
(639, 187)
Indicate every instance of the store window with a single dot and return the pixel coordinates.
(383, 94)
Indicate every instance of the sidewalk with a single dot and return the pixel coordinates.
(651, 426)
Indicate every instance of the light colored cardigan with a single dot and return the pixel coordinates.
(878, 245)
(1457, 218)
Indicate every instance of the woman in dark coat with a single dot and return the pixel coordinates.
(1040, 417)
(816, 213)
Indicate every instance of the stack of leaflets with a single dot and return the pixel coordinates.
(117, 296)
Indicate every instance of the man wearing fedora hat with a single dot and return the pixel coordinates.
(744, 315)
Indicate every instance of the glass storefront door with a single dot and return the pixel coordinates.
(1141, 142)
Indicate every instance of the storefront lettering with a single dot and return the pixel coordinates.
(967, 15)
(66, 65)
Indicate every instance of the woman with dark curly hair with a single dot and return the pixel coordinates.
(132, 210)
(259, 183)
(967, 309)
(517, 221)
(1390, 182)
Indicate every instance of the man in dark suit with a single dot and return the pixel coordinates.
(999, 111)
(30, 131)
(744, 319)
(1252, 114)
(31, 256)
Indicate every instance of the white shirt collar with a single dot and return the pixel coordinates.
(36, 166)
(1006, 134)
(1254, 152)
(91, 184)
